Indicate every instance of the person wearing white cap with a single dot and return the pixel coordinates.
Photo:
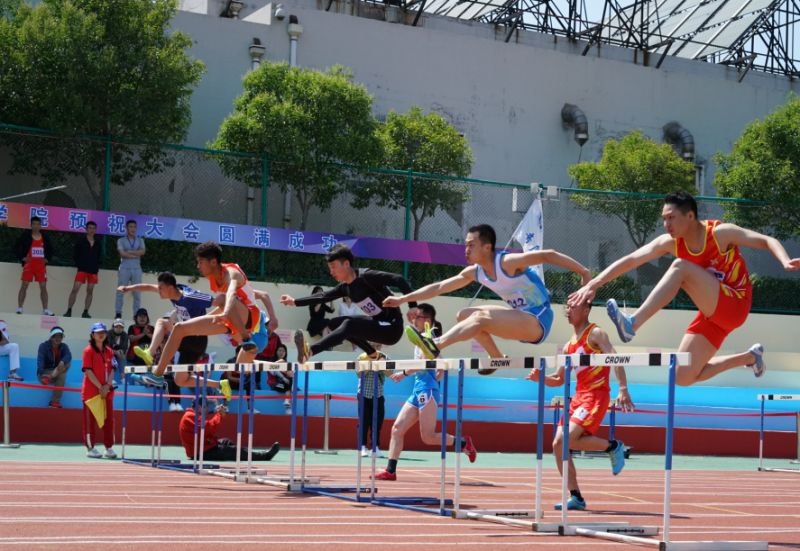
(10, 349)
(98, 379)
(118, 340)
(52, 362)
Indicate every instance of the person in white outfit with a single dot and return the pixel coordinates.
(10, 349)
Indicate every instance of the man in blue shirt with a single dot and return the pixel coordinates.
(52, 362)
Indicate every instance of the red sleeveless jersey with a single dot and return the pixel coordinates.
(728, 267)
(243, 292)
(588, 378)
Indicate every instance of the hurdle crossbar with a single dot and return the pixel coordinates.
(642, 359)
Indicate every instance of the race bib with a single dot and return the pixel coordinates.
(422, 398)
(369, 307)
(716, 273)
(581, 413)
(37, 252)
(517, 301)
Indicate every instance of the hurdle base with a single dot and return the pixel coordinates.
(623, 529)
(326, 452)
(778, 470)
(713, 546)
(412, 500)
(9, 446)
(505, 513)
(333, 489)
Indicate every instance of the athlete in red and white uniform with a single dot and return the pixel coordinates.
(34, 250)
(590, 403)
(711, 270)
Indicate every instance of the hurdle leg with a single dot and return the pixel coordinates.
(204, 394)
(293, 421)
(359, 439)
(304, 443)
(565, 444)
(160, 425)
(538, 514)
(153, 430)
(196, 441)
(443, 471)
(673, 365)
(237, 470)
(374, 454)
(761, 437)
(251, 422)
(458, 434)
(124, 409)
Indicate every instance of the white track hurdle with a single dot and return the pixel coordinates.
(777, 398)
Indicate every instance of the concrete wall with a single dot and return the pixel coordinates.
(664, 331)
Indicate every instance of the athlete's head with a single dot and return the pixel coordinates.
(427, 314)
(578, 314)
(479, 243)
(209, 257)
(679, 213)
(340, 261)
(166, 282)
(36, 224)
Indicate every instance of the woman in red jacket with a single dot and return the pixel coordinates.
(98, 378)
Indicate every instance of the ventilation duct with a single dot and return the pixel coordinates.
(681, 139)
(575, 118)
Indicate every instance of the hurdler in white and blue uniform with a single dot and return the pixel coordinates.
(527, 315)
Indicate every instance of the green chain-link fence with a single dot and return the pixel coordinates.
(595, 228)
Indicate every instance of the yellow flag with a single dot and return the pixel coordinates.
(97, 405)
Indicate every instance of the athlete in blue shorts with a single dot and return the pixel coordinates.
(421, 406)
(528, 316)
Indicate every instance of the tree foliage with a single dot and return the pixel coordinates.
(764, 165)
(633, 164)
(309, 123)
(93, 67)
(421, 143)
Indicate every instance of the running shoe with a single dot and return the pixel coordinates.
(573, 504)
(364, 451)
(303, 351)
(47, 312)
(470, 450)
(14, 376)
(225, 389)
(94, 454)
(617, 457)
(386, 475)
(143, 354)
(423, 341)
(110, 454)
(622, 321)
(153, 380)
(55, 404)
(759, 367)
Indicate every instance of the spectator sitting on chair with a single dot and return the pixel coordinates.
(215, 449)
(34, 250)
(139, 334)
(317, 322)
(118, 340)
(87, 259)
(10, 349)
(53, 361)
(281, 381)
(234, 379)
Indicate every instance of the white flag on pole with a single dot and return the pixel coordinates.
(530, 232)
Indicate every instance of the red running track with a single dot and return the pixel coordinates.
(110, 504)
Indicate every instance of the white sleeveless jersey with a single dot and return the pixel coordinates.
(525, 292)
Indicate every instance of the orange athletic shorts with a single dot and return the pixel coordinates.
(731, 312)
(587, 409)
(34, 272)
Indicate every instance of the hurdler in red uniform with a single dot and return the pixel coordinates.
(34, 251)
(591, 400)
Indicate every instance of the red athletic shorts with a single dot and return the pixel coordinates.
(34, 271)
(86, 277)
(731, 312)
(587, 409)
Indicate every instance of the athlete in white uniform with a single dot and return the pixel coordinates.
(528, 316)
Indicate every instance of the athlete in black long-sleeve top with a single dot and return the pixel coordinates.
(367, 289)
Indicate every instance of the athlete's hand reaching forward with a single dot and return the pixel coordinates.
(393, 301)
(287, 300)
(793, 265)
(583, 295)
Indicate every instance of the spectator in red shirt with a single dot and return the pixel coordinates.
(216, 449)
(86, 255)
(98, 378)
(34, 250)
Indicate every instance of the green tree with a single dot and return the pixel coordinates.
(310, 124)
(421, 143)
(113, 70)
(633, 164)
(764, 165)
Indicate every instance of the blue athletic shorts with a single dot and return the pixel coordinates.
(420, 399)
(545, 317)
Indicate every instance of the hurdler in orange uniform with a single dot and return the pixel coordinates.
(591, 400)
